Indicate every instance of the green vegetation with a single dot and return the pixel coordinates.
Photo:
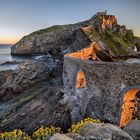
(43, 132)
(50, 29)
(76, 127)
(14, 135)
(23, 100)
(5, 117)
(18, 103)
(92, 34)
(118, 45)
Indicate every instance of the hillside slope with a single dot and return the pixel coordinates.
(62, 39)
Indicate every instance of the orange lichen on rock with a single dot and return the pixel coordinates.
(80, 81)
(87, 53)
(108, 22)
(128, 106)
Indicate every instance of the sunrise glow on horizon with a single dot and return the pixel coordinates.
(9, 39)
(20, 18)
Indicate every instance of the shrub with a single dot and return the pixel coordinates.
(43, 132)
(76, 127)
(14, 135)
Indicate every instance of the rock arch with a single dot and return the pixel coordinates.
(137, 46)
(128, 107)
(80, 80)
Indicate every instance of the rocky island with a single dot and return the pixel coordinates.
(90, 70)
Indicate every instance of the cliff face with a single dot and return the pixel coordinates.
(62, 39)
(56, 42)
(108, 22)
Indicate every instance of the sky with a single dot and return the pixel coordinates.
(21, 17)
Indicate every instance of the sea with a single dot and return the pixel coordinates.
(5, 56)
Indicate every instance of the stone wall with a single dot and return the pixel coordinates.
(106, 85)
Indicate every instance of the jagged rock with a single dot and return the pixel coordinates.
(97, 51)
(133, 129)
(26, 75)
(104, 131)
(41, 85)
(122, 31)
(39, 104)
(53, 43)
(33, 88)
(63, 39)
(4, 77)
(109, 22)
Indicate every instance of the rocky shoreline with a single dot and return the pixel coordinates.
(33, 94)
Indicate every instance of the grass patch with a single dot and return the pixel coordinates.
(18, 103)
(23, 100)
(119, 45)
(50, 29)
(92, 34)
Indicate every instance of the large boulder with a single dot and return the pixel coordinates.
(133, 129)
(104, 131)
(93, 131)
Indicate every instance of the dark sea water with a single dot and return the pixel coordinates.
(5, 56)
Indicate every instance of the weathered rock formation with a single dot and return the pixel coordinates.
(96, 51)
(28, 95)
(103, 96)
(27, 75)
(53, 43)
(64, 39)
(108, 23)
(91, 88)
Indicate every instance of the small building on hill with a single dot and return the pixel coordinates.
(101, 13)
